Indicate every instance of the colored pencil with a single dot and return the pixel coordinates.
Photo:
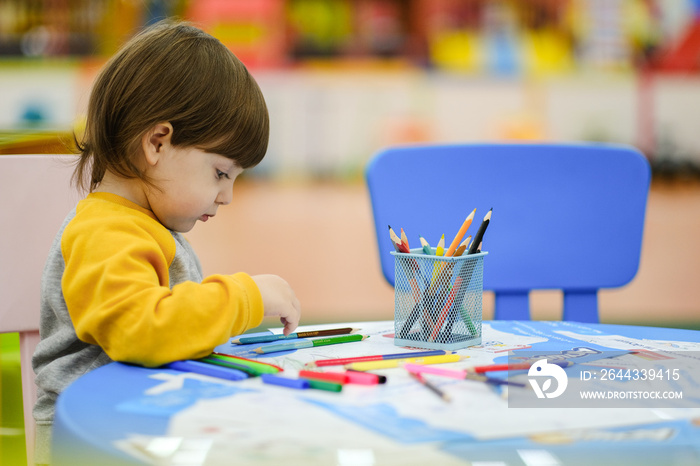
(437, 266)
(290, 345)
(491, 380)
(404, 239)
(427, 250)
(207, 369)
(463, 246)
(440, 248)
(512, 367)
(391, 363)
(243, 340)
(412, 270)
(460, 234)
(398, 243)
(433, 388)
(445, 309)
(376, 357)
(394, 239)
(458, 374)
(480, 232)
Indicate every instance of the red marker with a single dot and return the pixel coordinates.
(335, 377)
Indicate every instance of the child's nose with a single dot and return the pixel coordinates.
(225, 196)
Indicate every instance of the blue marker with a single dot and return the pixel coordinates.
(285, 381)
(207, 369)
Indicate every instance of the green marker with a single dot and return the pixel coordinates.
(262, 367)
(253, 372)
(323, 385)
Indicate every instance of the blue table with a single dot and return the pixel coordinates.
(127, 415)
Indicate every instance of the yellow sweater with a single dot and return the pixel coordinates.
(118, 283)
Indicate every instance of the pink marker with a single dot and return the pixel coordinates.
(430, 369)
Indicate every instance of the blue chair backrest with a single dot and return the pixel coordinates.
(565, 216)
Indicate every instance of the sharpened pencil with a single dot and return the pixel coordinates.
(398, 243)
(427, 384)
(446, 309)
(299, 344)
(460, 234)
(512, 367)
(243, 340)
(391, 363)
(458, 374)
(404, 239)
(463, 247)
(427, 250)
(480, 233)
(394, 239)
(375, 357)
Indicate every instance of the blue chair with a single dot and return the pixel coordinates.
(565, 216)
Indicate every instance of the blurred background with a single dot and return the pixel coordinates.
(344, 79)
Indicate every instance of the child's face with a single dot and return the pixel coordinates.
(191, 184)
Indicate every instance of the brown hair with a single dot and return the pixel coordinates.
(172, 72)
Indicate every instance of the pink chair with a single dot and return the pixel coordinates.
(35, 196)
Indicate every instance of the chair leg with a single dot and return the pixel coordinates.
(512, 306)
(581, 306)
(27, 344)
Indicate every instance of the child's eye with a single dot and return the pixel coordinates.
(220, 174)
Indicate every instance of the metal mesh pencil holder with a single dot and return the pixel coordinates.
(437, 300)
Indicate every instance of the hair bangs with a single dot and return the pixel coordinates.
(241, 129)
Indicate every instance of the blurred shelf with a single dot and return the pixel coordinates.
(35, 142)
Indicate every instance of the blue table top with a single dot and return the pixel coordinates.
(118, 404)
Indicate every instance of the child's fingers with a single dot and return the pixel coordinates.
(291, 320)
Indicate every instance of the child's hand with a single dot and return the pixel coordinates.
(279, 300)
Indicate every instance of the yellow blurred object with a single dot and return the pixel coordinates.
(546, 52)
(522, 128)
(457, 51)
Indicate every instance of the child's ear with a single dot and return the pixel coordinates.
(155, 141)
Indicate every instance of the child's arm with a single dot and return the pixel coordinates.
(116, 288)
